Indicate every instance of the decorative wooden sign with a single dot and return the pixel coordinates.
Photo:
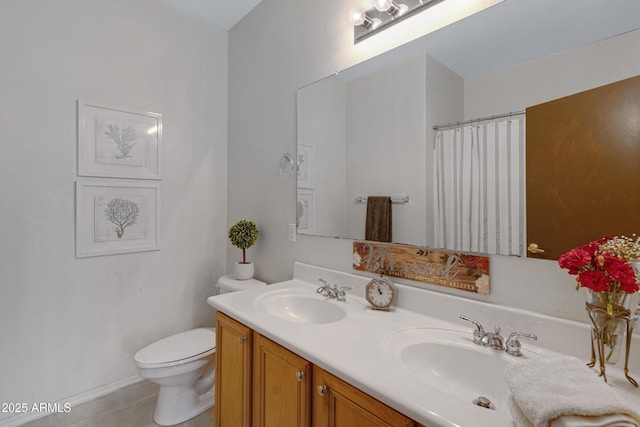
(451, 269)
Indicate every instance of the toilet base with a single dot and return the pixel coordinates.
(179, 404)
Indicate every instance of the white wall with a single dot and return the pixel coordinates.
(286, 44)
(71, 325)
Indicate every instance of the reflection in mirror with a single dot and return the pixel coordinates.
(357, 132)
(367, 131)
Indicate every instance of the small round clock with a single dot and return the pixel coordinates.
(381, 293)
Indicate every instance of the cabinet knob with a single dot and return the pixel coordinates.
(534, 249)
(299, 376)
(322, 390)
(243, 338)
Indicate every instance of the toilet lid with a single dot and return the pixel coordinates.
(178, 347)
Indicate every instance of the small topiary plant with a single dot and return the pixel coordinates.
(243, 234)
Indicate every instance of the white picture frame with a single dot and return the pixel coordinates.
(305, 166)
(305, 212)
(116, 216)
(117, 143)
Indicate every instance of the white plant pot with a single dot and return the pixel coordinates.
(243, 271)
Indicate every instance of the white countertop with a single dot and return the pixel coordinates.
(356, 348)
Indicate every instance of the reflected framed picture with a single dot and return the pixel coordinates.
(305, 212)
(305, 166)
(118, 143)
(115, 216)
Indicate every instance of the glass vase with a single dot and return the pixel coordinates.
(607, 311)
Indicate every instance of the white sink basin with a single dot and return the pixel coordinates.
(305, 306)
(449, 361)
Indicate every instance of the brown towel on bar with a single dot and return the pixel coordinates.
(378, 226)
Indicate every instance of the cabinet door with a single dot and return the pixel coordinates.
(338, 404)
(281, 386)
(233, 373)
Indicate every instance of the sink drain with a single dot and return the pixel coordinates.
(483, 402)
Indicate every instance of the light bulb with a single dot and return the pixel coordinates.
(391, 7)
(357, 16)
(384, 5)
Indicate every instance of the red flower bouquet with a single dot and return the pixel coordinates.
(604, 265)
(605, 268)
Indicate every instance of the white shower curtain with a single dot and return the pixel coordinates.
(479, 188)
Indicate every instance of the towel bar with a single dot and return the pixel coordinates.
(395, 198)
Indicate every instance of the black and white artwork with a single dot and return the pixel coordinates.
(305, 212)
(119, 218)
(116, 143)
(116, 216)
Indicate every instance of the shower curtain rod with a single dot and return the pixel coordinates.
(482, 119)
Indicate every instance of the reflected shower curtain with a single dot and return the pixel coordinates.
(479, 194)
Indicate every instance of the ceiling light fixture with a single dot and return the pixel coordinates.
(358, 17)
(391, 7)
(385, 13)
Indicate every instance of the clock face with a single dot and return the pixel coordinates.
(381, 293)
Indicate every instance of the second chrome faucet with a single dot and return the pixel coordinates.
(333, 292)
(495, 340)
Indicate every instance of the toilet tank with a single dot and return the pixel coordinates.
(228, 284)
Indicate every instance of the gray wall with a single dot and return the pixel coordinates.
(71, 325)
(284, 45)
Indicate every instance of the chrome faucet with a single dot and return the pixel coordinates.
(513, 343)
(487, 339)
(495, 340)
(333, 292)
(479, 335)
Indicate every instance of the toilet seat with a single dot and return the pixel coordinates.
(178, 349)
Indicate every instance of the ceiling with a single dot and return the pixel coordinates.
(223, 13)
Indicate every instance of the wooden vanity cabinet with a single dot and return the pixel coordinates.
(233, 373)
(262, 384)
(337, 403)
(281, 386)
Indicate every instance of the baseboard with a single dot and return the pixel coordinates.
(78, 399)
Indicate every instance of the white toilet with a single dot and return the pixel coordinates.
(184, 366)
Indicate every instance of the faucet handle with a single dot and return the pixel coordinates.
(323, 289)
(341, 294)
(513, 345)
(479, 335)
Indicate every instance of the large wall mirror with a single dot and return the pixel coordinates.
(368, 130)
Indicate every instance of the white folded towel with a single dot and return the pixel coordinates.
(613, 420)
(563, 392)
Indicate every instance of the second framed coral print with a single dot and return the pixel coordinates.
(115, 143)
(115, 216)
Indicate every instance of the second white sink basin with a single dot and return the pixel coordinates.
(449, 361)
(305, 306)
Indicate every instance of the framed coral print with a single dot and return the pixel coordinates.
(116, 143)
(115, 216)
(305, 212)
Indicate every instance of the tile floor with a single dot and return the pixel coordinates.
(131, 406)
